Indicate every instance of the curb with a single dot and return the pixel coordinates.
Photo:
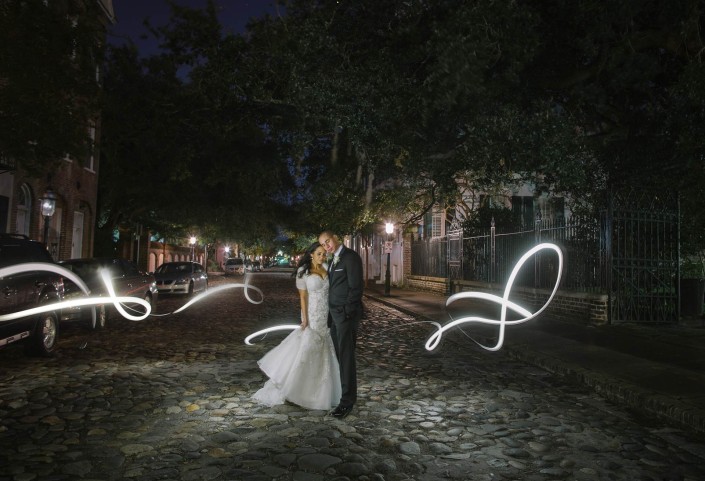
(647, 402)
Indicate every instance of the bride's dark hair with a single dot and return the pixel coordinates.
(306, 260)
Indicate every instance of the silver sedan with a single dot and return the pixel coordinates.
(181, 278)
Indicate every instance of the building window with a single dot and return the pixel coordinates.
(24, 207)
(433, 225)
(523, 209)
(526, 208)
(437, 224)
(90, 165)
(4, 211)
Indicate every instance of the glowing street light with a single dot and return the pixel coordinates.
(389, 229)
(192, 241)
(48, 209)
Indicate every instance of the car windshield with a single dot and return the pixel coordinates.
(11, 254)
(173, 268)
(91, 269)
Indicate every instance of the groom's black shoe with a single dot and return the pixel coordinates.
(341, 411)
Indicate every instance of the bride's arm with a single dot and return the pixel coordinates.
(303, 295)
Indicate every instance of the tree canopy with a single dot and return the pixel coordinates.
(342, 113)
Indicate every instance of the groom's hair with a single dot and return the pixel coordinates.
(329, 233)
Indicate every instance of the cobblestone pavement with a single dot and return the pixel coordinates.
(169, 398)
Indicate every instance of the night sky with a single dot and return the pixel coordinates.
(130, 14)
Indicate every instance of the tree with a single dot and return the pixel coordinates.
(179, 120)
(388, 87)
(383, 109)
(612, 66)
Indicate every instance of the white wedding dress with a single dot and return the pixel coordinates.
(303, 368)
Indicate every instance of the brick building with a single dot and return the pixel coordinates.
(69, 231)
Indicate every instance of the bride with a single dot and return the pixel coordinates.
(303, 368)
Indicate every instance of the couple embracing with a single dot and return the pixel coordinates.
(315, 366)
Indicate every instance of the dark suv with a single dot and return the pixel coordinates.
(25, 290)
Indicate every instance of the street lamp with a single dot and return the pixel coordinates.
(48, 209)
(192, 241)
(389, 228)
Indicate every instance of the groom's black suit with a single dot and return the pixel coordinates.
(345, 312)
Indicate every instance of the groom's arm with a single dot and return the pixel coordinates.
(355, 283)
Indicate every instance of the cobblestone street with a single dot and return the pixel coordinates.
(169, 398)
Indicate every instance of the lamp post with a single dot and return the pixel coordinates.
(192, 241)
(48, 209)
(389, 228)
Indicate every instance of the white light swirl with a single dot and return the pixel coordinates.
(503, 301)
(89, 301)
(282, 327)
(246, 288)
(112, 298)
(117, 301)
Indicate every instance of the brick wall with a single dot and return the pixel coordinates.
(423, 283)
(406, 259)
(566, 306)
(76, 190)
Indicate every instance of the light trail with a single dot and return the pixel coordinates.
(503, 301)
(281, 327)
(112, 298)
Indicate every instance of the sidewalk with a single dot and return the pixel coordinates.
(658, 370)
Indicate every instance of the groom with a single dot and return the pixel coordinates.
(344, 314)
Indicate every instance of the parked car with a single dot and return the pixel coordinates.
(181, 278)
(126, 278)
(256, 266)
(234, 266)
(26, 290)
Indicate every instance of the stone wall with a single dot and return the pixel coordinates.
(423, 283)
(566, 306)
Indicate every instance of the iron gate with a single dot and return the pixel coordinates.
(455, 250)
(641, 249)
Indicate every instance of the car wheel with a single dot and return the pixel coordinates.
(101, 317)
(148, 298)
(46, 335)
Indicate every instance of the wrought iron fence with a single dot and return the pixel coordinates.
(429, 257)
(490, 255)
(643, 256)
(630, 252)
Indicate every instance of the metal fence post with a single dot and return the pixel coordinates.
(493, 252)
(537, 241)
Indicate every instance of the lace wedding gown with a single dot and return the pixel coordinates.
(303, 368)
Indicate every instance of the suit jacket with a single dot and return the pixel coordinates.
(346, 285)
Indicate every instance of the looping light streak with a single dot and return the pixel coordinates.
(503, 301)
(46, 267)
(246, 290)
(282, 327)
(118, 301)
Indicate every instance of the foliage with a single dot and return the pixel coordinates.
(178, 120)
(387, 86)
(340, 113)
